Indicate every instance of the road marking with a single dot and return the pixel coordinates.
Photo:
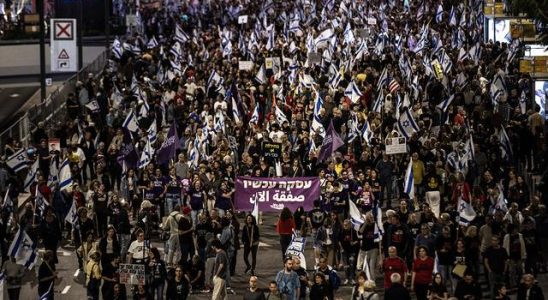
(160, 249)
(14, 95)
(76, 273)
(59, 252)
(66, 289)
(261, 244)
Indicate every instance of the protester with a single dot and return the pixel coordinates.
(253, 292)
(396, 289)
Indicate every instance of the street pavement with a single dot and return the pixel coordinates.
(268, 264)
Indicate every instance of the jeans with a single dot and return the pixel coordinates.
(159, 289)
(445, 271)
(515, 271)
(253, 251)
(13, 294)
(123, 239)
(349, 259)
(194, 214)
(170, 202)
(369, 259)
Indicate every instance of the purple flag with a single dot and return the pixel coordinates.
(169, 147)
(331, 143)
(127, 151)
(273, 194)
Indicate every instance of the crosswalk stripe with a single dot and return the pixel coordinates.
(66, 289)
(76, 273)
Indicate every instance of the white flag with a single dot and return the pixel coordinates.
(31, 176)
(65, 176)
(409, 181)
(130, 122)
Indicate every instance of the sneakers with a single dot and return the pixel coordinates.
(230, 291)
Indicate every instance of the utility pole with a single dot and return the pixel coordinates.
(42, 50)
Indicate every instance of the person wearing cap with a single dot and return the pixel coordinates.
(138, 249)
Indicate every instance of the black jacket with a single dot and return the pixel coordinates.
(534, 294)
(397, 291)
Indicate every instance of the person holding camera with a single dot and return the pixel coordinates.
(288, 281)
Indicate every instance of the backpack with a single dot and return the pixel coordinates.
(334, 279)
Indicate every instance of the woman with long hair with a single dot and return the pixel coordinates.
(422, 273)
(178, 287)
(285, 227)
(250, 239)
(364, 289)
(321, 289)
(437, 290)
(158, 273)
(109, 246)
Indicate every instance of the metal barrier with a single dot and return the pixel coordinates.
(52, 111)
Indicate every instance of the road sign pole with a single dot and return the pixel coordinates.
(79, 32)
(42, 51)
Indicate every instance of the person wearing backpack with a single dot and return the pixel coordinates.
(288, 282)
(170, 228)
(330, 274)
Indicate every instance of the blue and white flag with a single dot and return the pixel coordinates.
(261, 75)
(255, 117)
(180, 35)
(7, 205)
(152, 43)
(117, 49)
(407, 125)
(452, 17)
(18, 161)
(445, 103)
(439, 14)
(323, 39)
(31, 176)
(409, 181)
(505, 145)
(146, 155)
(152, 132)
(379, 102)
(356, 217)
(353, 92)
(378, 231)
(348, 35)
(130, 123)
(366, 132)
(383, 79)
(23, 249)
(72, 215)
(467, 214)
(280, 116)
(65, 176)
(317, 125)
(235, 111)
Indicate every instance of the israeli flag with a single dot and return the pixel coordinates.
(439, 14)
(379, 102)
(47, 294)
(323, 39)
(467, 214)
(445, 103)
(452, 17)
(194, 157)
(180, 35)
(236, 112)
(356, 217)
(23, 249)
(316, 120)
(271, 38)
(383, 79)
(214, 79)
(7, 205)
(117, 49)
(348, 35)
(39, 201)
(261, 75)
(130, 123)
(407, 125)
(409, 181)
(255, 117)
(65, 176)
(147, 155)
(366, 132)
(505, 145)
(72, 216)
(280, 116)
(152, 132)
(335, 78)
(18, 161)
(152, 43)
(378, 232)
(31, 176)
(353, 92)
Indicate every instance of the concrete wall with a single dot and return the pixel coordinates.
(25, 59)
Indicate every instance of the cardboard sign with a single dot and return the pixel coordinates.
(272, 151)
(438, 70)
(371, 21)
(314, 58)
(395, 145)
(132, 274)
(242, 19)
(245, 65)
(363, 33)
(272, 63)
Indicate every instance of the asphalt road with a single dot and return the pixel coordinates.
(268, 264)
